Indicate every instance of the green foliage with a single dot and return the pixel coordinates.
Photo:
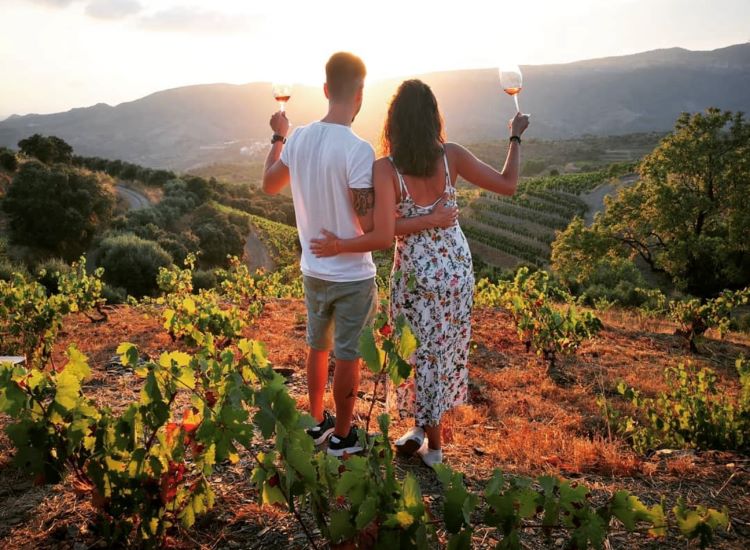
(576, 252)
(200, 319)
(530, 253)
(149, 466)
(548, 329)
(219, 236)
(58, 209)
(694, 317)
(204, 280)
(389, 359)
(606, 279)
(132, 263)
(31, 317)
(525, 224)
(687, 216)
(691, 414)
(514, 504)
(49, 271)
(114, 294)
(281, 240)
(8, 160)
(46, 149)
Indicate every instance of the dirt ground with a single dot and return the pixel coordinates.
(519, 419)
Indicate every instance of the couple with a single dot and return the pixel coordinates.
(348, 204)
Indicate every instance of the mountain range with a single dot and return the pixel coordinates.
(188, 126)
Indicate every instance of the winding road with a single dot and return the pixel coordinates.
(256, 254)
(135, 200)
(595, 198)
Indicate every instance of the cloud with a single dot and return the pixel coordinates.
(176, 18)
(191, 19)
(54, 3)
(112, 9)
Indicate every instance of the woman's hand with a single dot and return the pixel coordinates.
(518, 124)
(326, 246)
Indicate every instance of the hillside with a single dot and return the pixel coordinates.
(189, 126)
(518, 419)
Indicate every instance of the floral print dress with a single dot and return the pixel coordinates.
(432, 285)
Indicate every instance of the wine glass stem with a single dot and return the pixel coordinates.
(281, 106)
(515, 98)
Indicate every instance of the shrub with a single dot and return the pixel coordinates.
(694, 317)
(203, 280)
(49, 271)
(693, 413)
(177, 249)
(219, 237)
(114, 294)
(46, 149)
(9, 267)
(132, 263)
(547, 328)
(741, 323)
(8, 160)
(58, 209)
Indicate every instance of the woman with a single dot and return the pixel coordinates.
(432, 282)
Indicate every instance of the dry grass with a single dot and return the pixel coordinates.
(518, 419)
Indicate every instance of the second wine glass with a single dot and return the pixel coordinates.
(512, 81)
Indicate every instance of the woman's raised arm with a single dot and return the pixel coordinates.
(485, 176)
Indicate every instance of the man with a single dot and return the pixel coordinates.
(330, 170)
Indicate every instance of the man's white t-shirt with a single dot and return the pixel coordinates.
(325, 161)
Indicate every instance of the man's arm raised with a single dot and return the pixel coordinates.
(275, 172)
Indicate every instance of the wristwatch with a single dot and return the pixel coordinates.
(277, 137)
(516, 138)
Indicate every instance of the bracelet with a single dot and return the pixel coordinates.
(277, 137)
(336, 246)
(515, 138)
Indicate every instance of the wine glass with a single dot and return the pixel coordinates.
(511, 81)
(281, 93)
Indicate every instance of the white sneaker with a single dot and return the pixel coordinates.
(430, 456)
(410, 442)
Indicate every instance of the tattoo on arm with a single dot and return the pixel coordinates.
(363, 200)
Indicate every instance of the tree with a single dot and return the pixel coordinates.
(577, 250)
(46, 149)
(687, 217)
(132, 263)
(58, 209)
(8, 159)
(219, 237)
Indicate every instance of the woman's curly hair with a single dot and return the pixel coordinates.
(413, 132)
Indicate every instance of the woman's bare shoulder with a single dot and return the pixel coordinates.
(453, 149)
(382, 166)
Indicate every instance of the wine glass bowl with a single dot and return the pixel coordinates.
(282, 92)
(511, 81)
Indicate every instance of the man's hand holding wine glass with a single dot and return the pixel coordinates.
(280, 124)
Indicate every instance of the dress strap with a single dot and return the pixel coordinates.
(448, 183)
(401, 182)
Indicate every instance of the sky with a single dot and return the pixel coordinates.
(60, 54)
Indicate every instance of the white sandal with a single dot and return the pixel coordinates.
(410, 442)
(430, 456)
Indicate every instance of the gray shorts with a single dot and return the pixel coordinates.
(337, 313)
